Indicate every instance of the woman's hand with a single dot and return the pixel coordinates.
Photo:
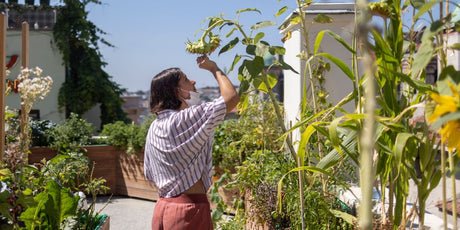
(204, 63)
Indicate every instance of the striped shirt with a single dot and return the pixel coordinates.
(178, 147)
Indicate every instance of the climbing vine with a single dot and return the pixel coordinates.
(86, 83)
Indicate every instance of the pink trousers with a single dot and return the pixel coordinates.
(186, 211)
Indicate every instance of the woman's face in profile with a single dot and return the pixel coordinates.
(185, 86)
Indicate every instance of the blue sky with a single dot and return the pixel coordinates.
(150, 35)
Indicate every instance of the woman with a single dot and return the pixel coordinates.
(178, 146)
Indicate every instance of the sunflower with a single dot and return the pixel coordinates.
(446, 104)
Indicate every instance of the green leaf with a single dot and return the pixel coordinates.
(260, 84)
(65, 202)
(272, 80)
(322, 18)
(229, 45)
(258, 36)
(304, 139)
(455, 46)
(248, 10)
(277, 50)
(332, 34)
(251, 49)
(236, 59)
(339, 63)
(281, 11)
(262, 24)
(255, 66)
(244, 102)
(448, 74)
(425, 7)
(426, 50)
(318, 40)
(297, 169)
(417, 3)
(422, 58)
(352, 220)
(230, 32)
(262, 48)
(401, 143)
(416, 84)
(333, 136)
(286, 66)
(295, 20)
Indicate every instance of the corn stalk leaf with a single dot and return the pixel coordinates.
(333, 136)
(339, 63)
(303, 168)
(332, 34)
(399, 147)
(304, 139)
(424, 8)
(455, 46)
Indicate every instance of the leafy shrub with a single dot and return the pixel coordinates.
(235, 140)
(70, 135)
(70, 169)
(39, 132)
(129, 137)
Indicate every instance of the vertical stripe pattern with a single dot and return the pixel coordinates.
(178, 147)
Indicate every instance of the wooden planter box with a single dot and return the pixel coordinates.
(124, 173)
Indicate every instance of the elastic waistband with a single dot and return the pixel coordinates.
(187, 198)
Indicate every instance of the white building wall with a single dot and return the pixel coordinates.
(293, 81)
(44, 54)
(453, 56)
(337, 83)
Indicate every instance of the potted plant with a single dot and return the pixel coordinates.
(12, 1)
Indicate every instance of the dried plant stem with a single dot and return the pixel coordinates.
(454, 189)
(444, 199)
(367, 132)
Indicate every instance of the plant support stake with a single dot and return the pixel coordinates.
(3, 21)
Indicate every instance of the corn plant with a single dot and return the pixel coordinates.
(397, 144)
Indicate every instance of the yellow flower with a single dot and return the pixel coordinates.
(446, 104)
(450, 134)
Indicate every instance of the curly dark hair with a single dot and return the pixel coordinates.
(163, 90)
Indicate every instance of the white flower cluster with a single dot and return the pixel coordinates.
(33, 85)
